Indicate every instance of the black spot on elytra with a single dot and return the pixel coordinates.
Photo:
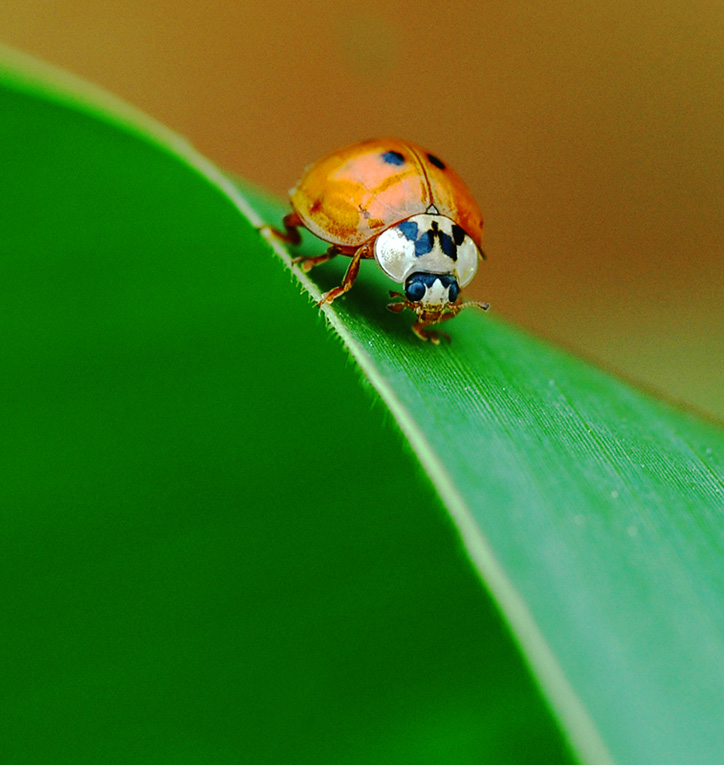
(393, 158)
(436, 161)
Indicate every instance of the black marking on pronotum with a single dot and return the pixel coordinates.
(393, 158)
(447, 245)
(409, 229)
(436, 161)
(426, 241)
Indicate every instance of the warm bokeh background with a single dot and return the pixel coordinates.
(591, 132)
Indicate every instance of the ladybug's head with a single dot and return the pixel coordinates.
(432, 257)
(434, 298)
(431, 292)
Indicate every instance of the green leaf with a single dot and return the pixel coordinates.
(196, 565)
(593, 512)
(214, 548)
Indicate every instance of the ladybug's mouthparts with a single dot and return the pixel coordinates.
(425, 312)
(435, 315)
(431, 316)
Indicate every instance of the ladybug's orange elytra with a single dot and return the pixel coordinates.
(398, 203)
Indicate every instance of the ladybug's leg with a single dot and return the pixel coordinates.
(419, 327)
(307, 264)
(434, 337)
(348, 280)
(292, 223)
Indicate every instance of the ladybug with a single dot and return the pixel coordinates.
(396, 202)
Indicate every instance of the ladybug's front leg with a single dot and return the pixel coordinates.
(292, 223)
(307, 264)
(434, 337)
(348, 280)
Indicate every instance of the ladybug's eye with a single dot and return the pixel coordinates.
(415, 291)
(453, 291)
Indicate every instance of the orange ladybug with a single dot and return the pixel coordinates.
(396, 202)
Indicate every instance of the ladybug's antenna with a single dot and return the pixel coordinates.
(477, 304)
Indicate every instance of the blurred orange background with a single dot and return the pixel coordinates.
(590, 132)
